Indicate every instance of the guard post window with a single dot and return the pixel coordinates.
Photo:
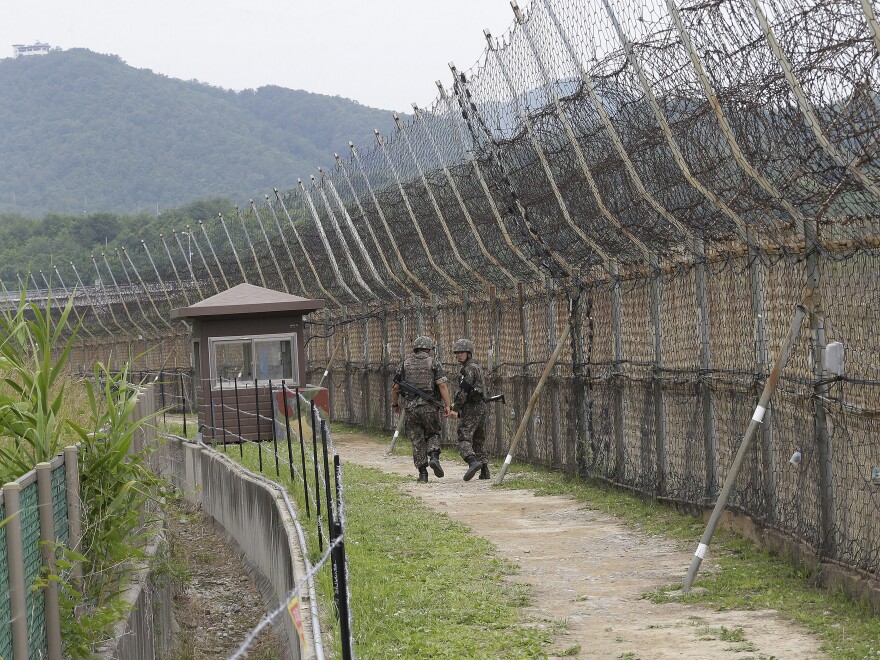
(261, 358)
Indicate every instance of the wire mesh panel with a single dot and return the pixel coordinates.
(59, 504)
(5, 611)
(33, 563)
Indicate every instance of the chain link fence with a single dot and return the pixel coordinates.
(669, 178)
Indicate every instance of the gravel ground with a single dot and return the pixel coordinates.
(219, 605)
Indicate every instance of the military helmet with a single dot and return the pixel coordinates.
(463, 345)
(423, 343)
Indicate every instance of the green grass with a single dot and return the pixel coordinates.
(421, 584)
(394, 539)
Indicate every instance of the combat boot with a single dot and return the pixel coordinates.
(473, 467)
(423, 475)
(484, 472)
(434, 463)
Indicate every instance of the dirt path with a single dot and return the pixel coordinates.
(588, 572)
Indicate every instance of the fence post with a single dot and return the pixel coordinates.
(820, 423)
(365, 385)
(468, 321)
(710, 448)
(349, 395)
(74, 508)
(420, 316)
(15, 558)
(617, 380)
(437, 323)
(555, 408)
(51, 607)
(660, 466)
(756, 280)
(498, 378)
(386, 363)
(525, 357)
(582, 449)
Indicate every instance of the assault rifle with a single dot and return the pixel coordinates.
(415, 391)
(465, 386)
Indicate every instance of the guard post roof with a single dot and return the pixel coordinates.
(248, 300)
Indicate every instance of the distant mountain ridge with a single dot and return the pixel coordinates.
(84, 132)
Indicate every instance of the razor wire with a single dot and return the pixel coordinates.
(679, 170)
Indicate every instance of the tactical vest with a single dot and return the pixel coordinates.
(418, 373)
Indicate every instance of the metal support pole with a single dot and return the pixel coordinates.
(327, 498)
(555, 407)
(454, 187)
(74, 509)
(617, 380)
(213, 415)
(247, 238)
(820, 422)
(299, 279)
(342, 569)
(757, 418)
(338, 230)
(497, 361)
(195, 241)
(51, 607)
(259, 433)
(222, 411)
(328, 250)
(532, 402)
(660, 462)
(420, 317)
(238, 418)
(302, 451)
(437, 212)
(183, 405)
(701, 282)
(524, 358)
(386, 376)
(269, 246)
(232, 245)
(583, 449)
(379, 250)
(287, 428)
(768, 452)
(187, 258)
(357, 238)
(365, 375)
(317, 477)
(18, 622)
(275, 436)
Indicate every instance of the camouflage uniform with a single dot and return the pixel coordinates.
(422, 425)
(472, 411)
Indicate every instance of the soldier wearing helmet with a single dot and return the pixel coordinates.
(470, 405)
(422, 425)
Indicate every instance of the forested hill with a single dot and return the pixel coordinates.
(83, 132)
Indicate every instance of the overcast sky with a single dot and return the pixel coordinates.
(382, 53)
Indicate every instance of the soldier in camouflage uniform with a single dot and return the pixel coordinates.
(470, 405)
(422, 425)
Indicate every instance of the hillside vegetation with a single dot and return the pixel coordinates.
(82, 132)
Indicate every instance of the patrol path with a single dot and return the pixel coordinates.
(588, 571)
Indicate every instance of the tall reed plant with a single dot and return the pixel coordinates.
(121, 501)
(42, 410)
(33, 356)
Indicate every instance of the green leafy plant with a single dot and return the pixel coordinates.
(118, 490)
(33, 355)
